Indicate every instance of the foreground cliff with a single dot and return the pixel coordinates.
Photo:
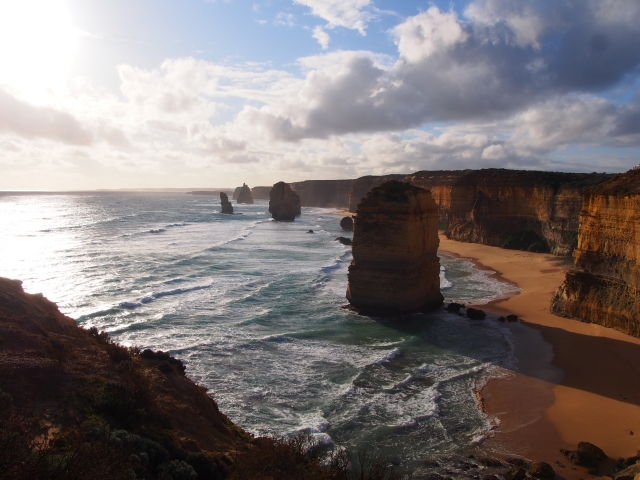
(395, 268)
(604, 286)
(527, 210)
(76, 406)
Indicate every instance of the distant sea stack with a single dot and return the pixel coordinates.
(226, 204)
(604, 286)
(244, 196)
(395, 268)
(284, 203)
(236, 192)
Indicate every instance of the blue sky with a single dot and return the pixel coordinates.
(195, 93)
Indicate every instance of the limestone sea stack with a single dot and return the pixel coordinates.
(395, 268)
(284, 203)
(244, 196)
(225, 203)
(604, 286)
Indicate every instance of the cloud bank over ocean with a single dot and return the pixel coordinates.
(489, 83)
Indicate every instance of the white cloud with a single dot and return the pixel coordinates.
(427, 33)
(321, 36)
(285, 19)
(350, 14)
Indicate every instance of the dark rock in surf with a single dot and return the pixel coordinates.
(516, 473)
(512, 318)
(454, 307)
(347, 224)
(475, 314)
(343, 240)
(227, 208)
(310, 231)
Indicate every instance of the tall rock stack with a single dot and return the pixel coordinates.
(284, 203)
(604, 286)
(395, 268)
(244, 196)
(225, 203)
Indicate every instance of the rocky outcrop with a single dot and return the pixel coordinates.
(395, 268)
(324, 193)
(244, 195)
(284, 203)
(236, 192)
(346, 224)
(227, 208)
(260, 193)
(604, 286)
(519, 209)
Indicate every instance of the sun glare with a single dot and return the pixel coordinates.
(37, 44)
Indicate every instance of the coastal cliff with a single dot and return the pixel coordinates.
(604, 286)
(361, 186)
(260, 193)
(395, 268)
(527, 210)
(324, 193)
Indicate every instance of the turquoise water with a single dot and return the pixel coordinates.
(253, 308)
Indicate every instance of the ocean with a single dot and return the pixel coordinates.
(253, 307)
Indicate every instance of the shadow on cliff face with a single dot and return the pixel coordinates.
(603, 366)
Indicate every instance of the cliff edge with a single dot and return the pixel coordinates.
(604, 285)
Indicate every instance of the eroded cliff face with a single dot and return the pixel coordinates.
(324, 193)
(501, 207)
(395, 268)
(284, 203)
(604, 286)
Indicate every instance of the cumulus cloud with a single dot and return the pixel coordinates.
(321, 36)
(350, 14)
(30, 121)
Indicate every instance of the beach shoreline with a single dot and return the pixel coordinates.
(573, 381)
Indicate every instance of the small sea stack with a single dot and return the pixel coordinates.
(284, 203)
(395, 268)
(347, 224)
(244, 195)
(225, 203)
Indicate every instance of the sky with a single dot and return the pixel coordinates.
(214, 93)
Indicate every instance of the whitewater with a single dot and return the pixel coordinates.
(253, 307)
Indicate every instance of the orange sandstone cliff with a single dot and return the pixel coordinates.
(395, 268)
(511, 208)
(604, 286)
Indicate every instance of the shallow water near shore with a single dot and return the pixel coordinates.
(253, 307)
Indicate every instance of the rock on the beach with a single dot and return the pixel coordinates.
(512, 318)
(629, 473)
(490, 462)
(343, 240)
(587, 455)
(454, 307)
(284, 203)
(225, 203)
(475, 314)
(502, 319)
(347, 224)
(516, 473)
(541, 470)
(395, 268)
(244, 195)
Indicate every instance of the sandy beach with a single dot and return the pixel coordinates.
(574, 381)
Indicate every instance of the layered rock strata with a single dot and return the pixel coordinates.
(244, 195)
(284, 203)
(510, 208)
(395, 268)
(324, 193)
(604, 286)
(227, 208)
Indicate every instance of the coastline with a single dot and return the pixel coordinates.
(574, 381)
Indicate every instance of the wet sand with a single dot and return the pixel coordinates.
(574, 381)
